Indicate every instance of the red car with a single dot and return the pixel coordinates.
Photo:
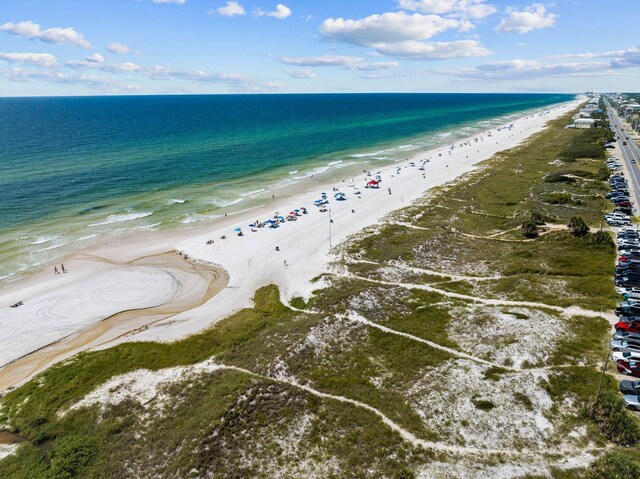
(632, 327)
(629, 367)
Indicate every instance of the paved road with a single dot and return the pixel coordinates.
(630, 152)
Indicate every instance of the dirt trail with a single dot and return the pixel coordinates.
(570, 311)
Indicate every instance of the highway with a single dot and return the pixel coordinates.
(630, 152)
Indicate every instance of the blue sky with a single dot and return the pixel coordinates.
(74, 47)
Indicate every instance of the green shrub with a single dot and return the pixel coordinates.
(578, 227)
(483, 404)
(613, 419)
(558, 178)
(561, 199)
(603, 173)
(613, 466)
(530, 229)
(602, 238)
(70, 455)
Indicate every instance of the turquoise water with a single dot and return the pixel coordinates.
(73, 170)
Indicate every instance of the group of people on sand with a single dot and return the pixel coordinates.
(62, 268)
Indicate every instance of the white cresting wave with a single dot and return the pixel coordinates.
(123, 217)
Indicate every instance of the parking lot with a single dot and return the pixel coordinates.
(625, 343)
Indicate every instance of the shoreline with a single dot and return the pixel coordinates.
(34, 246)
(252, 261)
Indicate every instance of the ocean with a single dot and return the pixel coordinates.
(77, 170)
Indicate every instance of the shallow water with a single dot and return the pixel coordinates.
(78, 170)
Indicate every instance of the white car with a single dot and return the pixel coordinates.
(620, 356)
(625, 346)
(632, 402)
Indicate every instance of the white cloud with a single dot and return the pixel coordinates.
(348, 62)
(434, 50)
(321, 61)
(475, 9)
(303, 74)
(178, 2)
(60, 36)
(95, 58)
(553, 66)
(526, 70)
(399, 35)
(231, 9)
(160, 73)
(44, 60)
(386, 28)
(281, 12)
(533, 17)
(118, 48)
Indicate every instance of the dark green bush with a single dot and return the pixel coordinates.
(602, 238)
(613, 466)
(613, 419)
(558, 178)
(578, 227)
(70, 455)
(530, 229)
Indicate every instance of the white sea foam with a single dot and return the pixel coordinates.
(293, 172)
(220, 203)
(251, 193)
(334, 163)
(123, 217)
(381, 157)
(195, 217)
(43, 239)
(444, 135)
(49, 248)
(176, 201)
(365, 155)
(85, 238)
(404, 147)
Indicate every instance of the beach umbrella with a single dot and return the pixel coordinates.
(296, 210)
(251, 225)
(238, 229)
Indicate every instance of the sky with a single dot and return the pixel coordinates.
(103, 47)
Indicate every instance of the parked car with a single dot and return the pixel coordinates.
(631, 326)
(625, 346)
(622, 335)
(628, 368)
(632, 402)
(630, 387)
(627, 356)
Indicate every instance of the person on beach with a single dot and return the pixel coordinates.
(389, 190)
(62, 266)
(55, 270)
(285, 263)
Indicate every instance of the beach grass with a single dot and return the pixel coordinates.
(237, 424)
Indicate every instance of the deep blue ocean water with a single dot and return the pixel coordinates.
(71, 168)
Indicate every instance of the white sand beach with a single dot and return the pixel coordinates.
(113, 279)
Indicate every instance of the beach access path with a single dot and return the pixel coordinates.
(108, 281)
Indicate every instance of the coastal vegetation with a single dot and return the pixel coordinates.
(446, 335)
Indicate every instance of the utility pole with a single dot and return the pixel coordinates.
(606, 361)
